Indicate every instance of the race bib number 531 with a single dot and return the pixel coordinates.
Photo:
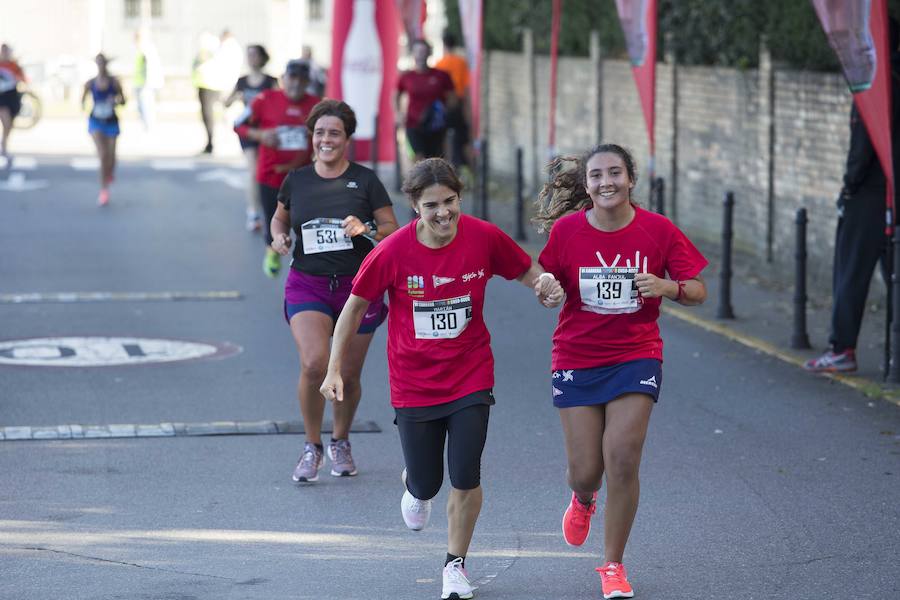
(324, 235)
(608, 290)
(441, 318)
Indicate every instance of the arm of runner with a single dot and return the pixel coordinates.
(689, 292)
(346, 327)
(120, 95)
(385, 224)
(234, 95)
(280, 228)
(84, 95)
(546, 287)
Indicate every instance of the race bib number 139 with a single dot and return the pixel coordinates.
(608, 290)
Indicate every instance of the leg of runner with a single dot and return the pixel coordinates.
(111, 173)
(312, 331)
(342, 463)
(254, 209)
(268, 197)
(6, 120)
(100, 144)
(627, 418)
(583, 428)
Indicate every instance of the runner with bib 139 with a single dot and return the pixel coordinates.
(337, 209)
(435, 271)
(611, 258)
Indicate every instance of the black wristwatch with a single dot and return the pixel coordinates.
(373, 228)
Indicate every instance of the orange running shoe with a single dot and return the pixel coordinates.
(615, 581)
(577, 520)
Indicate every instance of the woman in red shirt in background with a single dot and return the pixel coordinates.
(10, 96)
(435, 271)
(611, 258)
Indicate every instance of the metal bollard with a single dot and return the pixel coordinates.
(659, 195)
(893, 370)
(520, 196)
(484, 179)
(800, 338)
(725, 311)
(374, 147)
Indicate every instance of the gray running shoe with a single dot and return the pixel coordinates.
(342, 464)
(307, 469)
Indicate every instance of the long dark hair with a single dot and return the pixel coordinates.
(565, 192)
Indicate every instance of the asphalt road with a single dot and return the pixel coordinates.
(756, 482)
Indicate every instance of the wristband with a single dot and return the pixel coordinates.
(680, 293)
(550, 275)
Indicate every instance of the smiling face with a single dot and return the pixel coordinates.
(607, 181)
(439, 209)
(329, 140)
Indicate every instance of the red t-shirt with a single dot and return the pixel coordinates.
(601, 322)
(272, 109)
(423, 89)
(443, 352)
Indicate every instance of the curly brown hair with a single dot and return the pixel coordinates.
(332, 108)
(565, 192)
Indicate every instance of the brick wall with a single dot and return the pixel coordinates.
(723, 143)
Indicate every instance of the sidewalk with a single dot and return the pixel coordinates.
(764, 314)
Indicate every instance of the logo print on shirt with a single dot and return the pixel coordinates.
(352, 185)
(470, 276)
(637, 261)
(415, 285)
(439, 281)
(651, 382)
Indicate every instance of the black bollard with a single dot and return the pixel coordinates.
(800, 338)
(725, 311)
(484, 179)
(659, 196)
(398, 169)
(520, 196)
(374, 147)
(893, 372)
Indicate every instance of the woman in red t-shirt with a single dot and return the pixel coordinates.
(435, 271)
(611, 258)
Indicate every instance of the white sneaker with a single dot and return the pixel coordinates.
(415, 512)
(456, 581)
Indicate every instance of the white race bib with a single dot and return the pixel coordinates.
(324, 235)
(104, 109)
(608, 290)
(291, 137)
(441, 318)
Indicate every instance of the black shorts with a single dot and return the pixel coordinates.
(430, 144)
(464, 424)
(11, 100)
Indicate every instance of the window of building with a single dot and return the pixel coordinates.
(133, 9)
(315, 10)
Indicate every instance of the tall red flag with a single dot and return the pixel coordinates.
(364, 70)
(638, 19)
(857, 30)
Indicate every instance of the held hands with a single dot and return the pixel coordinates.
(333, 387)
(548, 291)
(281, 244)
(651, 286)
(353, 226)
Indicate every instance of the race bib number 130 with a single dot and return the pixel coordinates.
(608, 290)
(441, 318)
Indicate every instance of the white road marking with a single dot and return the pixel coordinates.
(230, 177)
(67, 297)
(177, 164)
(91, 163)
(18, 183)
(24, 163)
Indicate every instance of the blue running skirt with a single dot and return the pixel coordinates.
(600, 385)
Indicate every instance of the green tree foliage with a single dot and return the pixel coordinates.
(701, 32)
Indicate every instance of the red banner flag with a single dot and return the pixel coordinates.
(470, 14)
(364, 70)
(412, 13)
(857, 30)
(638, 19)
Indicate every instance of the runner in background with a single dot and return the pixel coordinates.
(428, 94)
(277, 121)
(207, 78)
(612, 258)
(458, 115)
(103, 123)
(11, 75)
(435, 271)
(247, 88)
(337, 209)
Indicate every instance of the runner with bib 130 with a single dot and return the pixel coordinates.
(337, 209)
(611, 257)
(435, 271)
